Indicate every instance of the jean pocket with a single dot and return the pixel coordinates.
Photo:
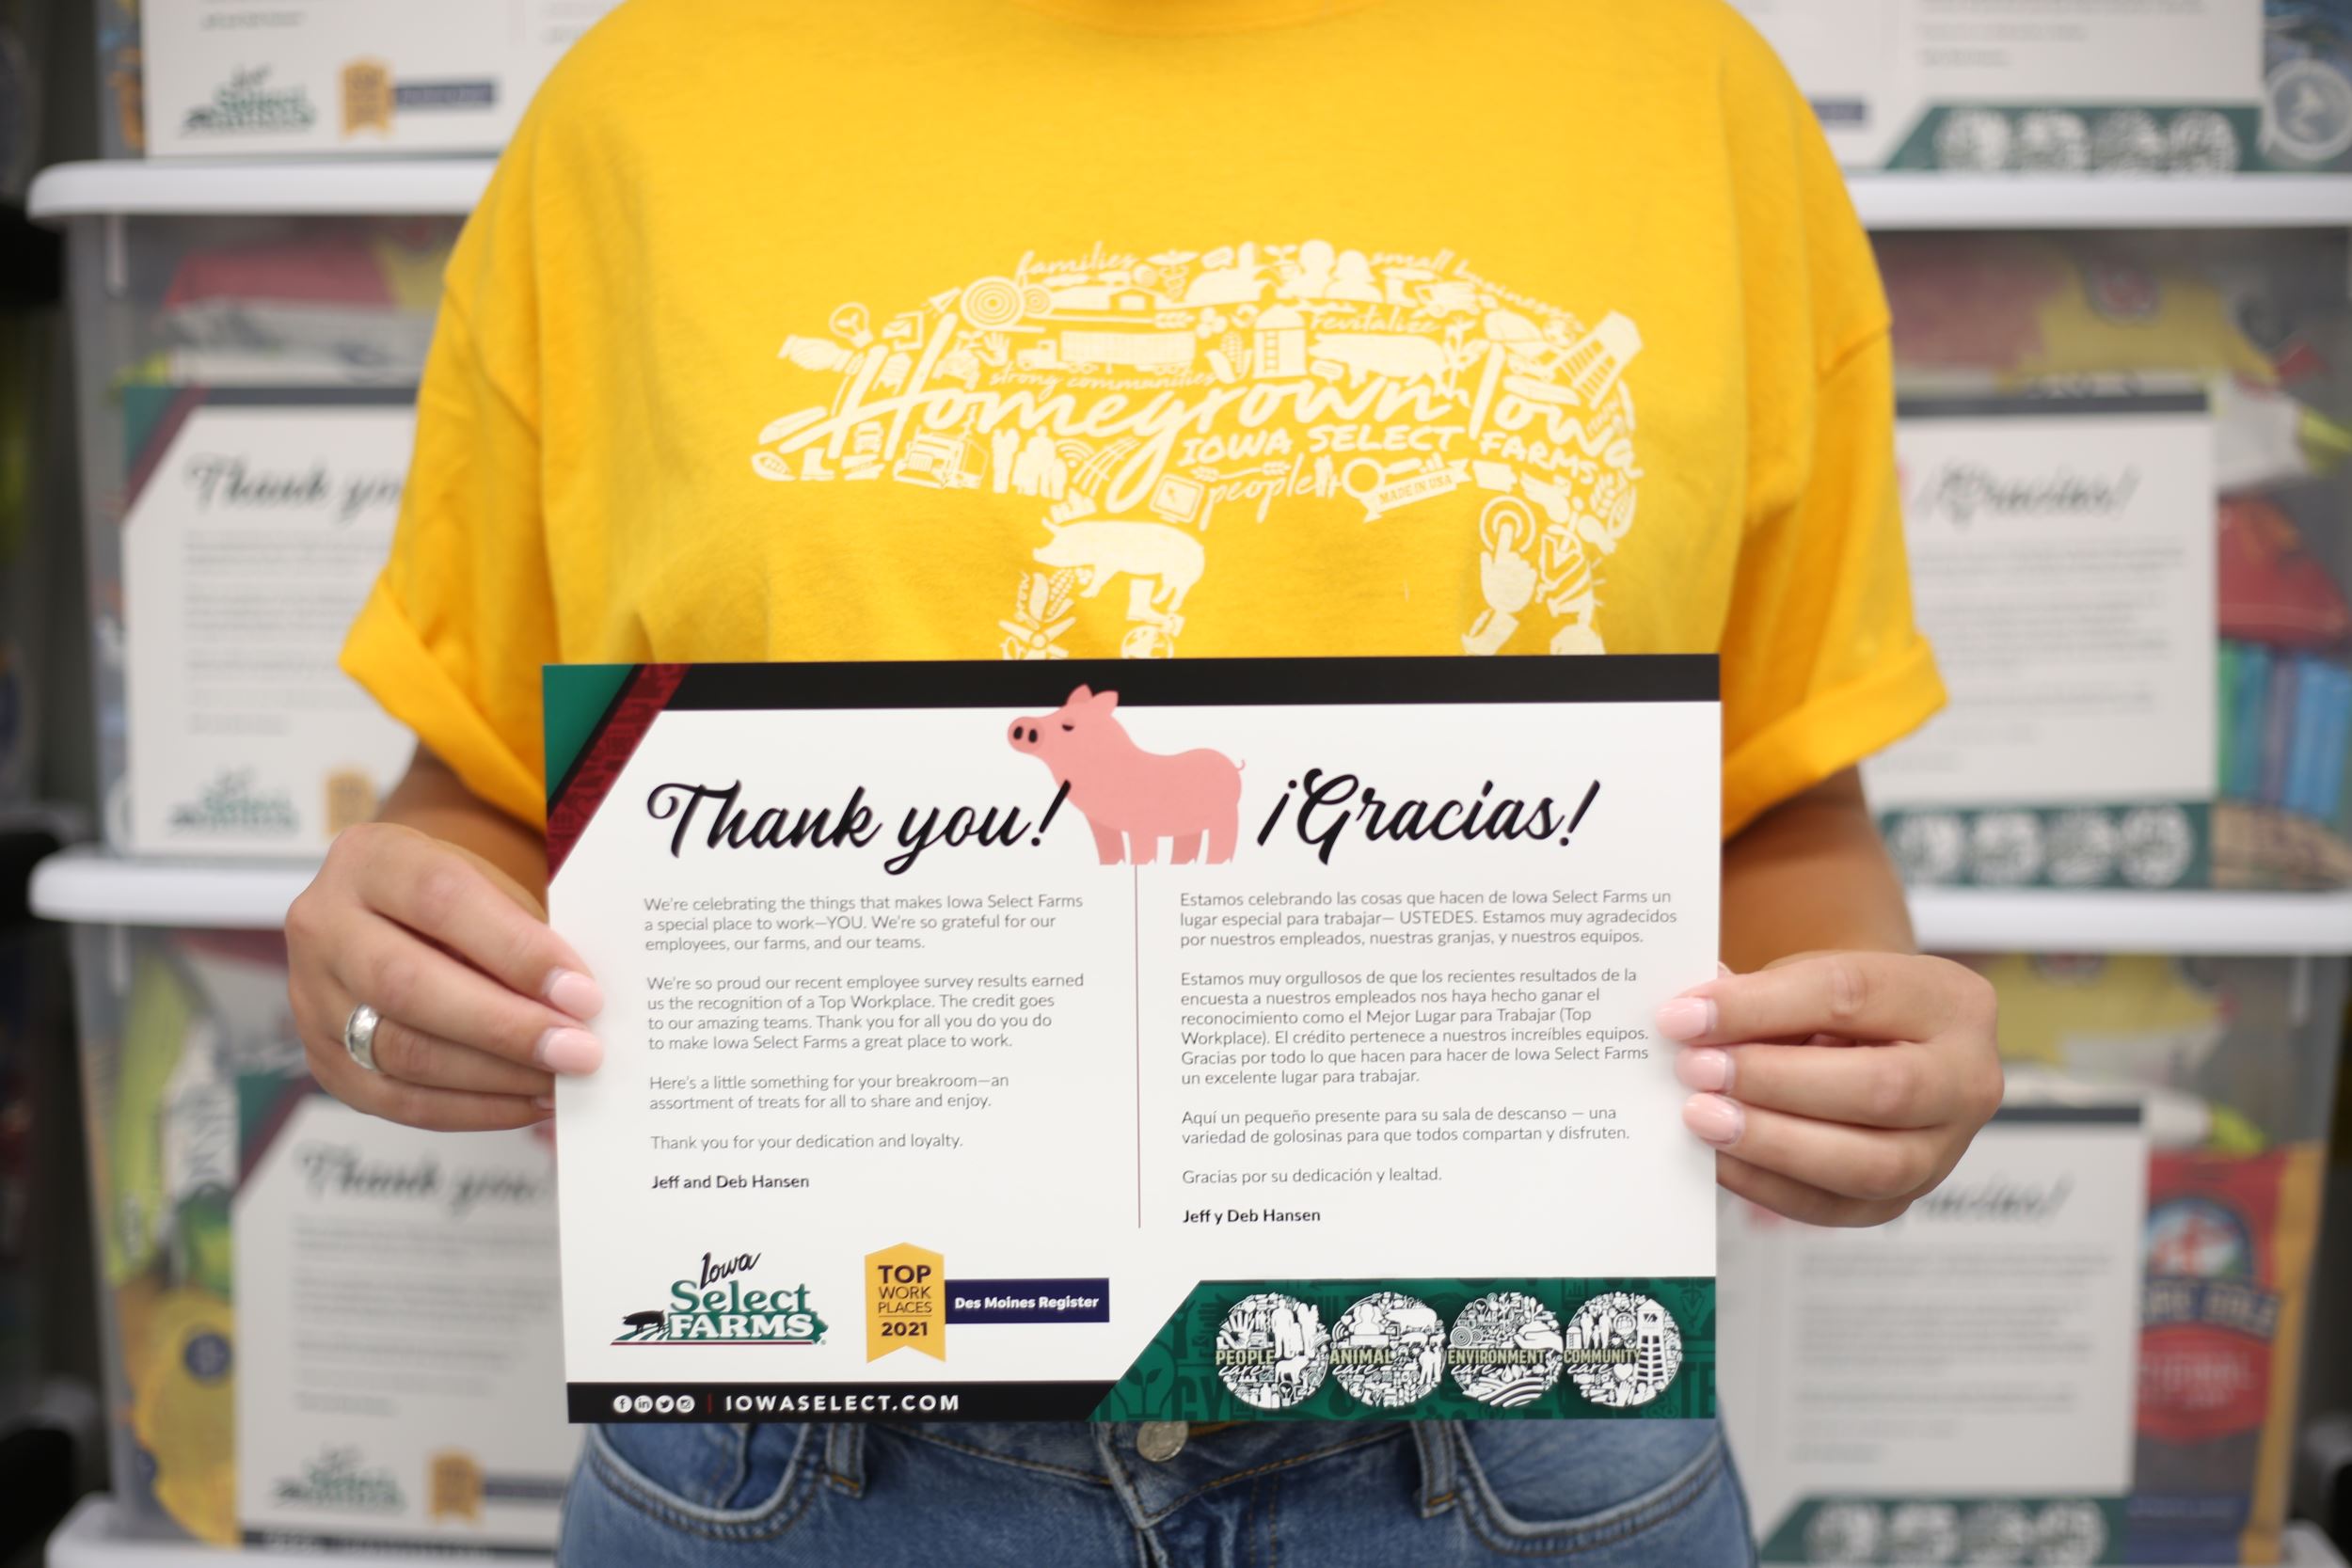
(1546, 1488)
(735, 1479)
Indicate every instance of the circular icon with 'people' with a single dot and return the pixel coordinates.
(1272, 1351)
(1388, 1350)
(1505, 1350)
(1623, 1350)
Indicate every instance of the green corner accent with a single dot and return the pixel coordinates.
(1908, 1529)
(576, 697)
(144, 405)
(1175, 1377)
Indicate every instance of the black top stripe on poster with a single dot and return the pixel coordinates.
(1927, 406)
(1201, 682)
(2067, 1115)
(310, 397)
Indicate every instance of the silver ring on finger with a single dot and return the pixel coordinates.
(359, 1035)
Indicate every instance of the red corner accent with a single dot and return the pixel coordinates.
(632, 714)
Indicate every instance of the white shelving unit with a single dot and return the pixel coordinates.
(2222, 925)
(1888, 202)
(86, 886)
(90, 887)
(92, 1538)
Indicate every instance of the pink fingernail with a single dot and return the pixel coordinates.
(1704, 1068)
(544, 1101)
(1723, 971)
(1686, 1018)
(1715, 1119)
(571, 1051)
(569, 991)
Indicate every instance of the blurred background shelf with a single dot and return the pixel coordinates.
(360, 187)
(86, 886)
(1892, 202)
(1888, 202)
(2275, 925)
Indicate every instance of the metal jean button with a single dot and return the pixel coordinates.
(1161, 1441)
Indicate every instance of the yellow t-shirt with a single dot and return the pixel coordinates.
(980, 329)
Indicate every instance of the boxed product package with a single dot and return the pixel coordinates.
(2129, 86)
(240, 78)
(320, 1326)
(246, 389)
(2115, 1384)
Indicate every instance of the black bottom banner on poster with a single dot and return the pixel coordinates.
(686, 1400)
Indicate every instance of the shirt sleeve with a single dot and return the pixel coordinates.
(1822, 662)
(452, 638)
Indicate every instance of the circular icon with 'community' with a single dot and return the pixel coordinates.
(1505, 1350)
(1272, 1351)
(1388, 1350)
(1622, 1350)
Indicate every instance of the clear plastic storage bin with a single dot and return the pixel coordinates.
(247, 345)
(2184, 1099)
(305, 1339)
(2124, 471)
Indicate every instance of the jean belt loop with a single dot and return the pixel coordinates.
(1434, 1442)
(844, 1456)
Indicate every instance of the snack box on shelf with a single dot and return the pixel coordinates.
(245, 377)
(319, 1326)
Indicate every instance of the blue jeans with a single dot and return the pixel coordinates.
(1279, 1494)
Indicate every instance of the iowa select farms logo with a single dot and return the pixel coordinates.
(232, 804)
(718, 1302)
(337, 1478)
(247, 101)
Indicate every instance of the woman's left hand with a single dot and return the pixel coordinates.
(1837, 1088)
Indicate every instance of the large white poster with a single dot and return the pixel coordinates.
(400, 1374)
(1199, 1039)
(2062, 562)
(1956, 1386)
(2139, 86)
(256, 522)
(240, 78)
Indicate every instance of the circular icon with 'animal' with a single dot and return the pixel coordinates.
(1388, 1350)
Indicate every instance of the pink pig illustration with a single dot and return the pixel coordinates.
(1130, 797)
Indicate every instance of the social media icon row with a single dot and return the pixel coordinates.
(653, 1404)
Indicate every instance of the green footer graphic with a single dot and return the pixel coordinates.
(1320, 1349)
(2084, 1530)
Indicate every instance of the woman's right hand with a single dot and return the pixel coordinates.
(481, 1003)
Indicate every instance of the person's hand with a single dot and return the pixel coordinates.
(481, 1003)
(1837, 1088)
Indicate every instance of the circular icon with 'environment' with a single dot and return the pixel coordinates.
(1505, 1350)
(1388, 1350)
(1622, 1349)
(1272, 1351)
